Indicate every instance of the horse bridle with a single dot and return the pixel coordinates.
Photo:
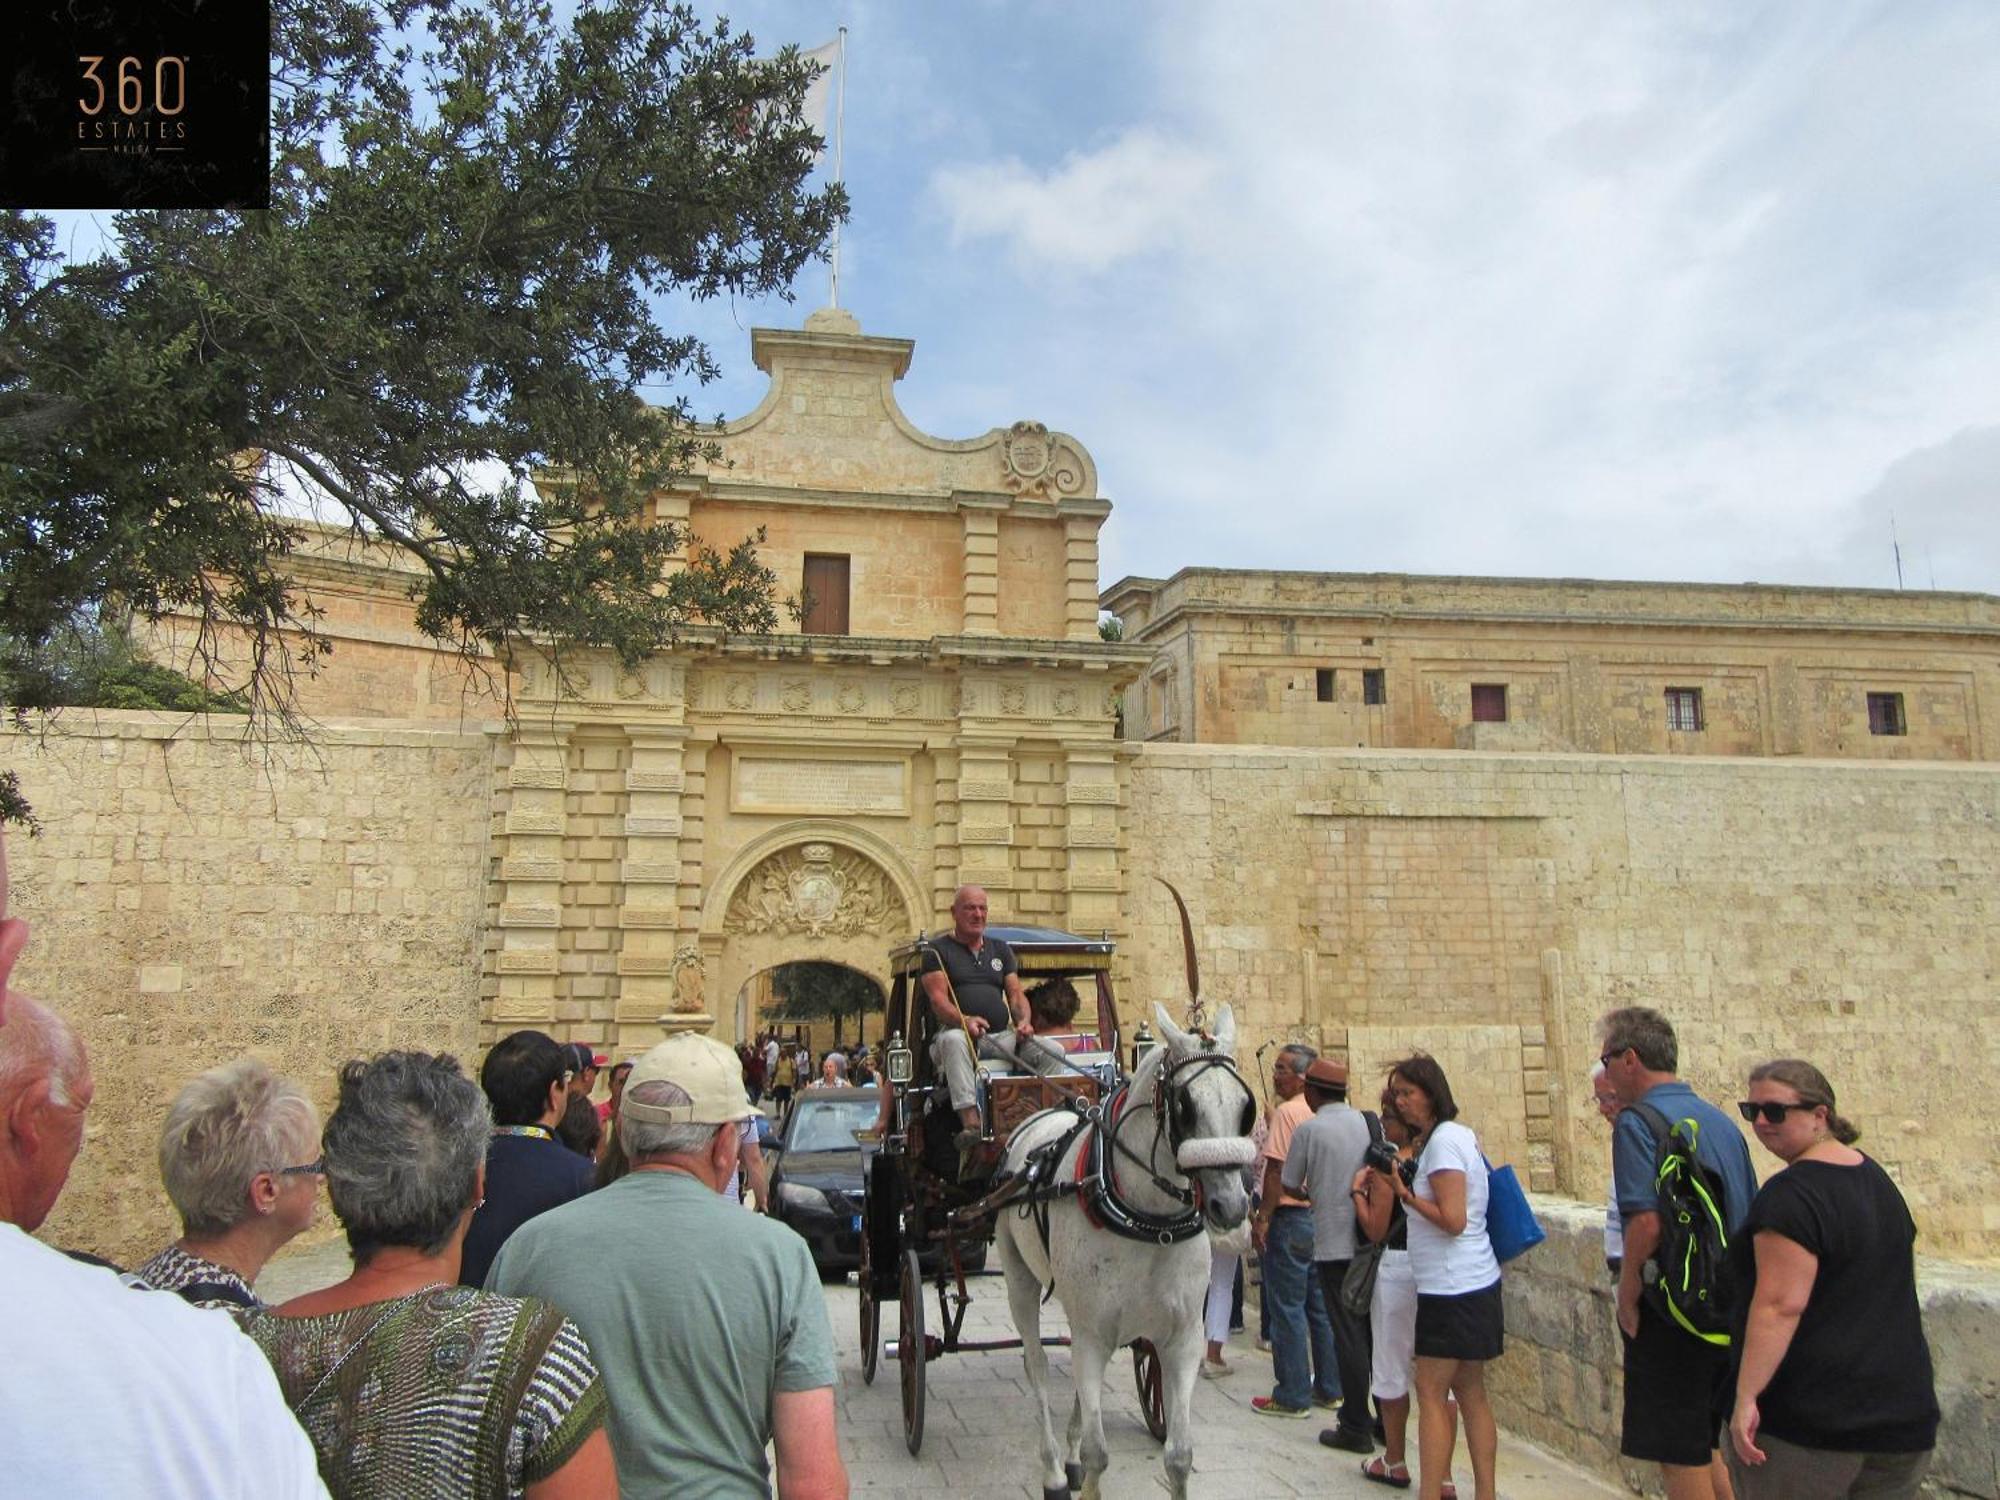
(1174, 1077)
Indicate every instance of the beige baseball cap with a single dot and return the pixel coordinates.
(710, 1074)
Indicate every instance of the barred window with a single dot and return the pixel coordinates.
(1323, 684)
(1684, 710)
(1885, 714)
(1374, 685)
(1489, 703)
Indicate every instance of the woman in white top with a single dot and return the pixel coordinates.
(1459, 1325)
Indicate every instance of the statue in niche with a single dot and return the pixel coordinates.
(818, 889)
(687, 976)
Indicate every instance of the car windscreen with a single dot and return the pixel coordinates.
(828, 1124)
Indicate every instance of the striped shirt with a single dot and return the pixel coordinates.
(173, 1268)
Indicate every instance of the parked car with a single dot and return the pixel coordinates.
(816, 1180)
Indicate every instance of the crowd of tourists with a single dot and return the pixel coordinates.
(533, 1313)
(1772, 1343)
(777, 1070)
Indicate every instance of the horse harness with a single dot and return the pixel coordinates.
(1095, 1184)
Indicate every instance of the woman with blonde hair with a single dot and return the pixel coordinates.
(1834, 1392)
(239, 1156)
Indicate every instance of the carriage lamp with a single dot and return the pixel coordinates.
(1143, 1043)
(898, 1060)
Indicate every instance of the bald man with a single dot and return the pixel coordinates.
(973, 983)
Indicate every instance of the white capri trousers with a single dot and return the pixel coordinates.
(1392, 1316)
(1221, 1293)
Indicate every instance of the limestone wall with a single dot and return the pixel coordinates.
(1560, 1383)
(1489, 906)
(193, 900)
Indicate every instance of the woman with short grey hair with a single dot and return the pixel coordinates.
(239, 1158)
(408, 1384)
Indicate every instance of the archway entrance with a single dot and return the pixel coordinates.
(812, 1006)
(812, 892)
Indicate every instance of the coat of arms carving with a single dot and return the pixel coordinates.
(814, 888)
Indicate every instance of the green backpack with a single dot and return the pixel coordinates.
(1689, 1272)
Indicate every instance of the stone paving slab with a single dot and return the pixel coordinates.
(980, 1437)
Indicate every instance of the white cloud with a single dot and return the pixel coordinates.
(1133, 197)
(1548, 289)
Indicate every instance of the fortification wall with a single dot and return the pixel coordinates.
(1489, 907)
(194, 898)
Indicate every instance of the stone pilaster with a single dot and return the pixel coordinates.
(985, 815)
(1091, 798)
(982, 563)
(673, 507)
(650, 916)
(1081, 520)
(531, 870)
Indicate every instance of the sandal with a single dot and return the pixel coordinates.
(1382, 1471)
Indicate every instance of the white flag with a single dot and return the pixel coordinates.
(820, 92)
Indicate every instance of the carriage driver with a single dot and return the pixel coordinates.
(974, 986)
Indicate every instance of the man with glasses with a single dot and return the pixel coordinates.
(528, 1170)
(1674, 1382)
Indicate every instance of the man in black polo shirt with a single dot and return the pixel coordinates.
(528, 1171)
(974, 987)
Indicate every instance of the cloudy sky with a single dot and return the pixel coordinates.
(1701, 291)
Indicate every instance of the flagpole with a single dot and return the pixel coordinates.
(839, 160)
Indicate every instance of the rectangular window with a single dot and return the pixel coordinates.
(1323, 684)
(825, 594)
(1489, 703)
(1684, 710)
(1374, 685)
(1885, 714)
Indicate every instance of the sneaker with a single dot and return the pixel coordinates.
(1216, 1369)
(1327, 1403)
(1263, 1346)
(1347, 1439)
(1271, 1406)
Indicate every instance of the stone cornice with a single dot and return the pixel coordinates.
(1160, 624)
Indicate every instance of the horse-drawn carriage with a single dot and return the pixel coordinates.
(924, 1203)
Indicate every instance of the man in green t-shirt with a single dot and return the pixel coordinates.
(706, 1321)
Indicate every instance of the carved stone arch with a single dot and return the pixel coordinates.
(786, 853)
(811, 888)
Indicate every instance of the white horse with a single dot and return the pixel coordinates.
(1173, 1148)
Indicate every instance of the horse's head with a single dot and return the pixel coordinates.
(1208, 1112)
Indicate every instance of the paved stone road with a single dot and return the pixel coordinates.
(980, 1444)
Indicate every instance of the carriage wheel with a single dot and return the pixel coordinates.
(1152, 1388)
(871, 1311)
(910, 1352)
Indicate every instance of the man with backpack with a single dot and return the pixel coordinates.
(1683, 1183)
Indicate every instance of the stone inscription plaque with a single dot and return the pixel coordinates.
(798, 784)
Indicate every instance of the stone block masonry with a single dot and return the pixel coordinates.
(1489, 907)
(194, 898)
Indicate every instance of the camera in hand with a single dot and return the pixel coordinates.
(1380, 1156)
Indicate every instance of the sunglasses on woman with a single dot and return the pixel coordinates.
(1772, 1110)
